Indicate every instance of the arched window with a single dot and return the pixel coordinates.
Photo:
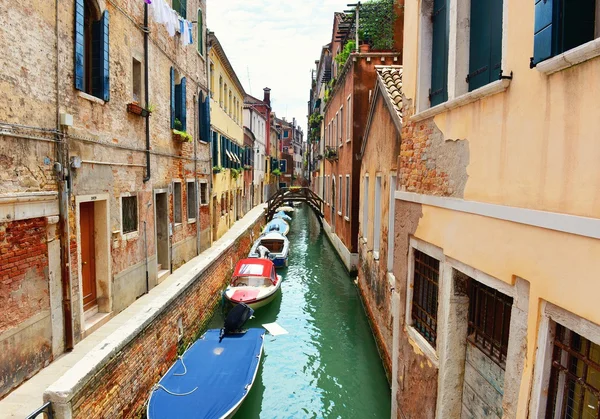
(91, 72)
(200, 33)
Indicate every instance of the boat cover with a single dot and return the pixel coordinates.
(283, 216)
(221, 374)
(254, 267)
(277, 224)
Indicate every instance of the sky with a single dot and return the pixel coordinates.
(274, 43)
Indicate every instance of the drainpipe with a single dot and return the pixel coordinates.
(146, 94)
(211, 215)
(197, 117)
(61, 165)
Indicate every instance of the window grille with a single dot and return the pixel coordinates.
(425, 295)
(129, 214)
(574, 391)
(489, 320)
(191, 200)
(204, 193)
(177, 202)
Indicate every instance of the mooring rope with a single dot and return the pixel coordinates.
(157, 386)
(184, 367)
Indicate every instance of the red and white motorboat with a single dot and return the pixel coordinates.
(254, 283)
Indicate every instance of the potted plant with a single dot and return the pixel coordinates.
(331, 153)
(276, 172)
(217, 169)
(179, 134)
(136, 109)
(235, 173)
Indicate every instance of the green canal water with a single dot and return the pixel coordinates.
(328, 365)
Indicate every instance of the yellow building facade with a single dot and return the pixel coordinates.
(228, 153)
(497, 206)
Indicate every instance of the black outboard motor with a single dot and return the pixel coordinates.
(236, 319)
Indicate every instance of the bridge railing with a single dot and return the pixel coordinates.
(294, 194)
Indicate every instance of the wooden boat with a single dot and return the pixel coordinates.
(278, 225)
(286, 209)
(282, 215)
(254, 283)
(277, 245)
(211, 379)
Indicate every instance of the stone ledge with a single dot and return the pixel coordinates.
(66, 387)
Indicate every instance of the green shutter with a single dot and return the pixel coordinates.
(100, 58)
(183, 104)
(79, 70)
(439, 59)
(485, 49)
(172, 97)
(223, 154)
(544, 44)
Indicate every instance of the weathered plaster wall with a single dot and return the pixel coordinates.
(379, 159)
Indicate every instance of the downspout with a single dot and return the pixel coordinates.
(210, 161)
(197, 134)
(63, 207)
(146, 97)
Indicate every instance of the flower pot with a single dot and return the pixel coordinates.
(136, 109)
(365, 47)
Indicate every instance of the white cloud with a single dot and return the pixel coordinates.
(276, 44)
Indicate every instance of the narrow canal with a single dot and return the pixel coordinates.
(328, 365)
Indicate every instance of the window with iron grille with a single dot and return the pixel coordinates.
(204, 193)
(489, 320)
(191, 200)
(574, 391)
(177, 202)
(425, 295)
(129, 214)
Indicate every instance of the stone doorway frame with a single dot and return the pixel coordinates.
(102, 256)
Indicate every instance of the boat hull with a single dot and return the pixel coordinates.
(212, 378)
(258, 303)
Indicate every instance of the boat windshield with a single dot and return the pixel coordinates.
(251, 281)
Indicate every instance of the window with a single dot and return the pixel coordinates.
(201, 33)
(439, 59)
(212, 80)
(91, 72)
(391, 215)
(342, 124)
(191, 200)
(136, 80)
(221, 91)
(561, 25)
(230, 103)
(180, 7)
(485, 50)
(283, 166)
(377, 218)
(348, 121)
(425, 296)
(178, 101)
(204, 193)
(286, 134)
(177, 202)
(340, 186)
(574, 390)
(365, 223)
(348, 196)
(129, 214)
(489, 320)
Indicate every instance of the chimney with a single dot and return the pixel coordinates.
(267, 96)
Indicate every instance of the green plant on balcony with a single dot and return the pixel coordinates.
(315, 119)
(276, 172)
(376, 24)
(331, 153)
(349, 48)
(235, 173)
(217, 169)
(182, 136)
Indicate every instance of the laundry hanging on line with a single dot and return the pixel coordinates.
(165, 15)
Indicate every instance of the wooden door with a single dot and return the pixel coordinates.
(88, 253)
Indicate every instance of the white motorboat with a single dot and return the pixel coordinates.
(254, 283)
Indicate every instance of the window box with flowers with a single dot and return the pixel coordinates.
(136, 109)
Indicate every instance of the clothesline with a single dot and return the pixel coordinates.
(165, 15)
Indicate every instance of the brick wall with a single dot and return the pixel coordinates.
(24, 294)
(121, 388)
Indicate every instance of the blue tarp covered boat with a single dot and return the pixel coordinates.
(278, 225)
(211, 379)
(283, 216)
